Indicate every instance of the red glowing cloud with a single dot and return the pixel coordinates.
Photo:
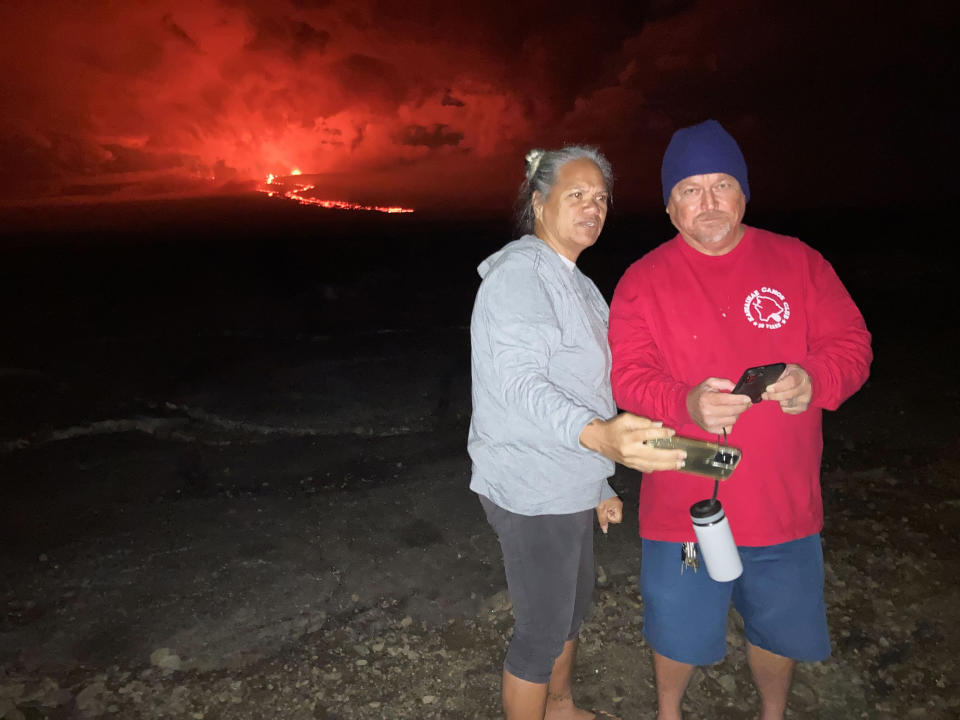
(423, 103)
(142, 98)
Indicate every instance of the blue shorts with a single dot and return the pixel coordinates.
(779, 595)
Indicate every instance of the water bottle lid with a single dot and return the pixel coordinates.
(706, 512)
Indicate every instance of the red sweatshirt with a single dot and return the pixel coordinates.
(679, 316)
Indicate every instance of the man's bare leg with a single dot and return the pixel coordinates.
(560, 690)
(672, 679)
(523, 700)
(772, 673)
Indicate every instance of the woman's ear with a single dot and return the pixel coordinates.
(537, 202)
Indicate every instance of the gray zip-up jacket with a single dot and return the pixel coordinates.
(541, 372)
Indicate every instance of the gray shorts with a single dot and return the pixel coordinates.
(550, 576)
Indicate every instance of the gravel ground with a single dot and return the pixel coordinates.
(305, 551)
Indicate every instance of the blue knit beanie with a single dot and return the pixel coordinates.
(699, 150)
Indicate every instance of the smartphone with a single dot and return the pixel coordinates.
(754, 380)
(703, 458)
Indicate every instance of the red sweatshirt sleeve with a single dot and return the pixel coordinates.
(839, 355)
(641, 384)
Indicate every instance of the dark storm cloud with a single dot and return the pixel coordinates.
(332, 137)
(368, 77)
(286, 35)
(63, 155)
(31, 162)
(122, 159)
(310, 4)
(357, 137)
(450, 100)
(821, 95)
(662, 9)
(178, 32)
(432, 137)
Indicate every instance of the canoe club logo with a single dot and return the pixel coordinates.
(766, 308)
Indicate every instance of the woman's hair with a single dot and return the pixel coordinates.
(542, 169)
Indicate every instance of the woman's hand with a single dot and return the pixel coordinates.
(623, 440)
(610, 511)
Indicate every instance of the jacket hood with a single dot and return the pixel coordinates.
(527, 242)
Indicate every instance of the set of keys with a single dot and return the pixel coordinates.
(689, 557)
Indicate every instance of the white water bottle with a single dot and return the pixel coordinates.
(719, 552)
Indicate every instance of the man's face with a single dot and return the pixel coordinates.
(707, 210)
(571, 217)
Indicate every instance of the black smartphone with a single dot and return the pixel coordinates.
(755, 380)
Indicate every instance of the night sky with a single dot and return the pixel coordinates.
(433, 104)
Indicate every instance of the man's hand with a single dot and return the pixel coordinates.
(623, 440)
(793, 390)
(712, 408)
(610, 511)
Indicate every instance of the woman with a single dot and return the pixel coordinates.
(544, 434)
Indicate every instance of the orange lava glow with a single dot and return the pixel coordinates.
(275, 187)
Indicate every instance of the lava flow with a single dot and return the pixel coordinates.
(296, 191)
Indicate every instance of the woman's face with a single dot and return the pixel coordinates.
(571, 217)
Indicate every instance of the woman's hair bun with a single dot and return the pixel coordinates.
(533, 161)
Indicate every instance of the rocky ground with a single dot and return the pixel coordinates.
(309, 549)
(208, 511)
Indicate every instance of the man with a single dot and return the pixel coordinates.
(686, 320)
